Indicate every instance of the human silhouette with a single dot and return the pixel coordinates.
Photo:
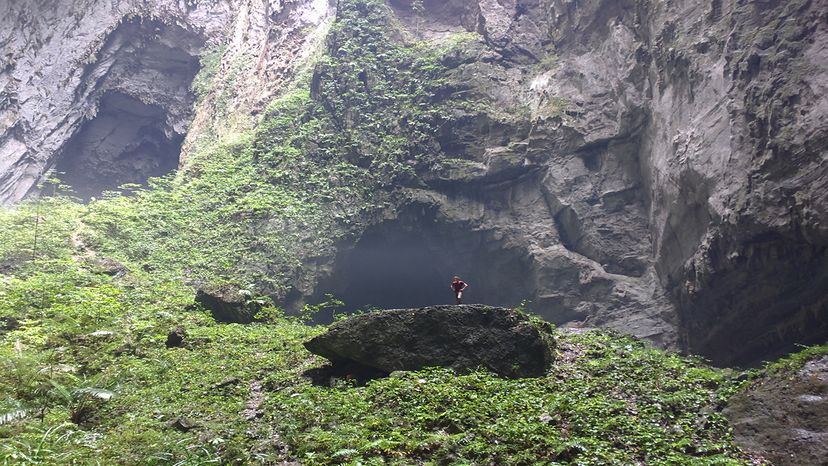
(458, 286)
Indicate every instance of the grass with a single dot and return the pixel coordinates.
(87, 378)
(608, 400)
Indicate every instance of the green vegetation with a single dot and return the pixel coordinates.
(210, 63)
(792, 363)
(86, 375)
(609, 400)
(78, 393)
(251, 206)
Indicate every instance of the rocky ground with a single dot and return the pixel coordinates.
(462, 337)
(784, 417)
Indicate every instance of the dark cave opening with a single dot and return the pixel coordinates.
(125, 143)
(409, 262)
(143, 101)
(763, 298)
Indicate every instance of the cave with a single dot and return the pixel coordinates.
(761, 297)
(125, 143)
(409, 262)
(141, 98)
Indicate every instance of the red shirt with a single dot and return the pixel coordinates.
(458, 286)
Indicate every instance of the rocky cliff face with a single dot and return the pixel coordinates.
(784, 417)
(102, 90)
(658, 161)
(654, 167)
(685, 142)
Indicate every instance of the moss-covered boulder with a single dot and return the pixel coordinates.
(461, 337)
(228, 303)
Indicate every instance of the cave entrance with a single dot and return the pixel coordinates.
(125, 143)
(142, 93)
(409, 262)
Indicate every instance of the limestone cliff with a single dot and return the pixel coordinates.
(658, 161)
(654, 167)
(101, 90)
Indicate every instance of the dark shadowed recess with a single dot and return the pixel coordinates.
(409, 262)
(142, 86)
(758, 303)
(125, 143)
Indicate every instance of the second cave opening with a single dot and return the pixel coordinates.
(409, 262)
(125, 143)
(141, 102)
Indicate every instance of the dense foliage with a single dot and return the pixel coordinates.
(250, 207)
(89, 380)
(86, 378)
(608, 400)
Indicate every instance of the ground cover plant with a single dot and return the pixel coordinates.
(91, 381)
(86, 306)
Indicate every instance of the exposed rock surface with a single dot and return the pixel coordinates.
(658, 168)
(228, 303)
(8, 324)
(462, 337)
(785, 419)
(101, 90)
(175, 339)
(127, 62)
(267, 45)
(653, 167)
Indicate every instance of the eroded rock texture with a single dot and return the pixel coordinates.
(737, 175)
(785, 418)
(655, 167)
(228, 303)
(462, 337)
(101, 90)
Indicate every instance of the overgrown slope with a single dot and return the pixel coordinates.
(86, 304)
(88, 379)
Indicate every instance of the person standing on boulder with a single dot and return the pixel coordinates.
(458, 286)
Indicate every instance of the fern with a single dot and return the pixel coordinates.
(11, 416)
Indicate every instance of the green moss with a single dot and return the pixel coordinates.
(251, 208)
(550, 60)
(552, 106)
(210, 63)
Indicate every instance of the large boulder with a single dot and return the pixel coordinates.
(784, 417)
(228, 303)
(461, 337)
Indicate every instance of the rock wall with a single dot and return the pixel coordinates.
(659, 166)
(654, 167)
(784, 417)
(101, 89)
(269, 45)
(60, 60)
(680, 149)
